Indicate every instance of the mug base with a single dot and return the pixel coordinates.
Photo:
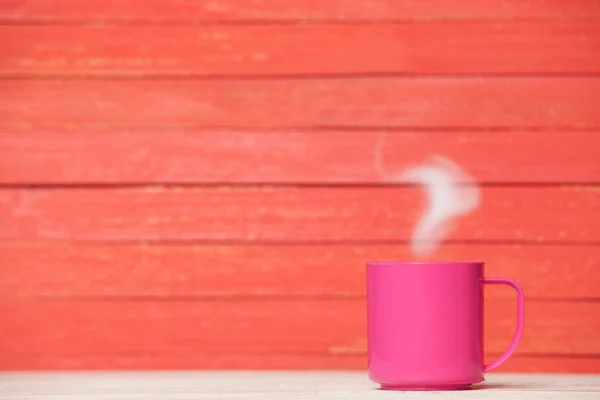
(431, 388)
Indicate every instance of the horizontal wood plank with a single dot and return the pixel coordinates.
(275, 385)
(62, 327)
(539, 214)
(260, 10)
(472, 47)
(259, 271)
(284, 156)
(265, 361)
(365, 102)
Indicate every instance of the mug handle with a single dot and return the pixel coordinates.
(520, 320)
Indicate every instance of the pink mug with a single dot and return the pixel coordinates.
(425, 324)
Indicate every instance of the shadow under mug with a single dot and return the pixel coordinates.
(425, 324)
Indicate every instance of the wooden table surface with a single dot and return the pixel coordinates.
(273, 385)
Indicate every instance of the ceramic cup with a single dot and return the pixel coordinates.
(425, 324)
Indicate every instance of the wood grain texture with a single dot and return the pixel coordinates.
(164, 272)
(126, 156)
(289, 214)
(195, 360)
(275, 385)
(62, 327)
(358, 102)
(179, 11)
(120, 95)
(471, 47)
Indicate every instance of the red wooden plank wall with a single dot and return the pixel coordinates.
(188, 184)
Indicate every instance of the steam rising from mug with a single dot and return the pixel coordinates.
(451, 193)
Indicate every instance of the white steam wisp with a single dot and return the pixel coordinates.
(451, 193)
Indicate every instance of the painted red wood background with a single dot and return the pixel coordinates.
(189, 184)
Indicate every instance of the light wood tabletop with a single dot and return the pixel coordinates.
(273, 385)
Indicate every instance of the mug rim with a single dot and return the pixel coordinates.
(409, 263)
